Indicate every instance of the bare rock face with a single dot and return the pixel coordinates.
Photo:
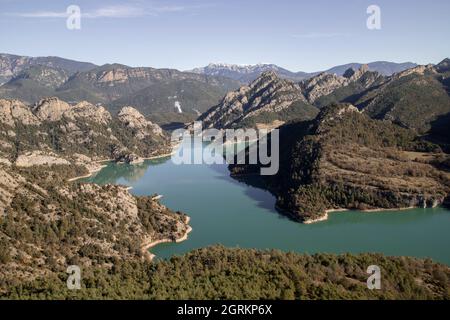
(122, 74)
(421, 70)
(268, 93)
(443, 66)
(37, 158)
(322, 84)
(134, 120)
(54, 109)
(12, 111)
(88, 111)
(123, 155)
(58, 130)
(50, 109)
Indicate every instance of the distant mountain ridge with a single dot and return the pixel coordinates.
(248, 73)
(170, 95)
(417, 98)
(11, 65)
(267, 99)
(384, 68)
(178, 96)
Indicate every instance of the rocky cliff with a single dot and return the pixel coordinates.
(266, 99)
(327, 88)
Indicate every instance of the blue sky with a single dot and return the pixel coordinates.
(298, 35)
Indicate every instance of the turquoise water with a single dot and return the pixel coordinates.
(225, 211)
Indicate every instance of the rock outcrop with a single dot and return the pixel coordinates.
(417, 98)
(263, 99)
(12, 111)
(134, 120)
(52, 131)
(326, 84)
(48, 224)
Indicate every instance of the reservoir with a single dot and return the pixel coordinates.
(235, 214)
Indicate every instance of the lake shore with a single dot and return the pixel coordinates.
(164, 155)
(91, 172)
(100, 166)
(146, 246)
(326, 215)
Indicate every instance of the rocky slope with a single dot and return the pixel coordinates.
(33, 83)
(267, 99)
(327, 88)
(270, 98)
(248, 73)
(53, 129)
(385, 68)
(415, 98)
(344, 159)
(11, 65)
(159, 91)
(47, 224)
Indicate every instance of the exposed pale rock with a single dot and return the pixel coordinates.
(50, 109)
(268, 93)
(53, 109)
(134, 120)
(36, 158)
(324, 83)
(12, 111)
(422, 69)
(89, 112)
(321, 85)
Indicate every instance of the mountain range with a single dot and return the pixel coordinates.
(151, 91)
(353, 139)
(11, 65)
(416, 98)
(53, 131)
(248, 73)
(166, 95)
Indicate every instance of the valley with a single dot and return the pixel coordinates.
(88, 179)
(243, 214)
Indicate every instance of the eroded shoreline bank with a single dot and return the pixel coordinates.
(146, 246)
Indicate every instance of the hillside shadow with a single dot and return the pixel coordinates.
(440, 132)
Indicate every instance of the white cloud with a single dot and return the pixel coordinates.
(318, 35)
(120, 11)
(114, 12)
(39, 14)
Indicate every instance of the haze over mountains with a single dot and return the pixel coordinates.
(415, 98)
(248, 73)
(354, 139)
(169, 95)
(114, 85)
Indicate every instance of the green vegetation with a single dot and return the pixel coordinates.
(68, 137)
(151, 91)
(413, 101)
(47, 224)
(220, 273)
(344, 159)
(352, 92)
